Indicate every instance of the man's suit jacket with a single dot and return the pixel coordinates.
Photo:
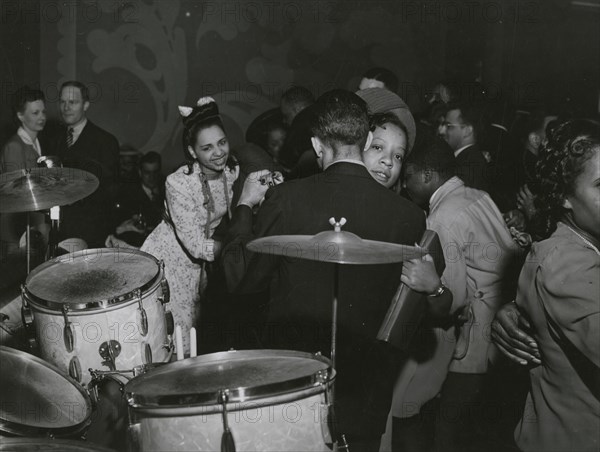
(300, 306)
(473, 168)
(97, 152)
(133, 200)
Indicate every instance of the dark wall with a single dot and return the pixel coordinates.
(144, 58)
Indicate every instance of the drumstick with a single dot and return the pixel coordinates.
(179, 342)
(193, 351)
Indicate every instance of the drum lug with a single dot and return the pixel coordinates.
(26, 314)
(134, 433)
(143, 315)
(170, 323)
(169, 344)
(75, 369)
(227, 441)
(108, 352)
(68, 335)
(166, 291)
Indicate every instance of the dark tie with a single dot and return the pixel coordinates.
(70, 137)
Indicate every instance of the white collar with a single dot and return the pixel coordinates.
(356, 162)
(27, 140)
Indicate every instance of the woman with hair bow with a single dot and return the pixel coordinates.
(198, 196)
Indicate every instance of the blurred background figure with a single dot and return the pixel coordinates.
(140, 204)
(379, 77)
(22, 151)
(129, 160)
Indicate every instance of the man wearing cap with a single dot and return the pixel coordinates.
(300, 306)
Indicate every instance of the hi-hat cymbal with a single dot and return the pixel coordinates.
(41, 188)
(336, 246)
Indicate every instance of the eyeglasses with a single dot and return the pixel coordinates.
(449, 124)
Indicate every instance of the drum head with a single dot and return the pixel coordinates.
(37, 399)
(247, 375)
(92, 278)
(46, 444)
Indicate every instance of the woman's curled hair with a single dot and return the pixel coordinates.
(561, 161)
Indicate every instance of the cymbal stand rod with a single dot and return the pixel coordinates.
(336, 273)
(28, 239)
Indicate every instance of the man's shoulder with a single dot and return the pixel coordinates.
(98, 132)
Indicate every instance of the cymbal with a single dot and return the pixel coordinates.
(336, 246)
(41, 188)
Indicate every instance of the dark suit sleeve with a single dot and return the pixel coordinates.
(245, 271)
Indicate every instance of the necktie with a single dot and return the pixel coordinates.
(69, 137)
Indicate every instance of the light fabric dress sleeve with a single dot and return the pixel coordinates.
(189, 216)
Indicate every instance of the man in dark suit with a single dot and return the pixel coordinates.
(462, 126)
(140, 204)
(300, 305)
(84, 145)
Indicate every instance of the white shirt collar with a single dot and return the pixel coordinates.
(27, 140)
(148, 192)
(356, 162)
(78, 129)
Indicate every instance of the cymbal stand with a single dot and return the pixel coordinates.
(28, 247)
(54, 231)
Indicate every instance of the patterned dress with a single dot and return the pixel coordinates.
(183, 243)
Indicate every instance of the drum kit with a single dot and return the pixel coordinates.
(101, 314)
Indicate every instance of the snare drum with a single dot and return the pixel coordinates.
(99, 309)
(270, 400)
(37, 399)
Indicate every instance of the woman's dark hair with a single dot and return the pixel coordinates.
(380, 119)
(201, 117)
(561, 161)
(21, 97)
(383, 75)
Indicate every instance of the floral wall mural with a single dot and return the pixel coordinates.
(143, 58)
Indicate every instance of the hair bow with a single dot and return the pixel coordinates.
(186, 111)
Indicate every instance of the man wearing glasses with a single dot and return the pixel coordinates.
(461, 128)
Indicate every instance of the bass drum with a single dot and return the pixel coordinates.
(100, 309)
(37, 399)
(267, 400)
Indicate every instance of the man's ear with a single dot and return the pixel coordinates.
(86, 105)
(468, 131)
(369, 141)
(427, 176)
(317, 146)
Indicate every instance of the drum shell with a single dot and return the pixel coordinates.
(39, 400)
(95, 326)
(91, 329)
(290, 422)
(276, 400)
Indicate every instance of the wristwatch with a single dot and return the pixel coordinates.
(439, 291)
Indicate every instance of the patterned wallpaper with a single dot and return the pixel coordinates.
(143, 58)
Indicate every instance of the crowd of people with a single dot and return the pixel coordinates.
(516, 207)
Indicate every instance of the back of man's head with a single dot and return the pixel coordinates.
(341, 120)
(434, 154)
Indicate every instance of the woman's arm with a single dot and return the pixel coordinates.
(188, 216)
